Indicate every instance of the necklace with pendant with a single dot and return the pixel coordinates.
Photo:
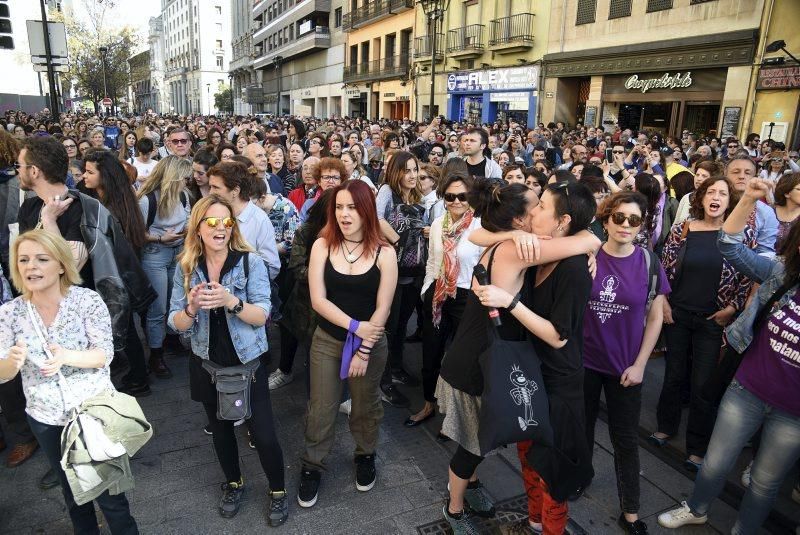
(351, 256)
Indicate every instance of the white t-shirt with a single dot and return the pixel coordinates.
(143, 169)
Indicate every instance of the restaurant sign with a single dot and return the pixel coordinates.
(666, 81)
(778, 78)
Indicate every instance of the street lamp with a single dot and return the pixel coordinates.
(104, 54)
(434, 11)
(208, 97)
(277, 60)
(230, 85)
(780, 44)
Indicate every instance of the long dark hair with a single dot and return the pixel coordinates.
(498, 206)
(648, 185)
(118, 195)
(791, 253)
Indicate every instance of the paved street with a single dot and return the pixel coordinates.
(177, 479)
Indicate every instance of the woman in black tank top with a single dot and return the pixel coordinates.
(506, 212)
(352, 276)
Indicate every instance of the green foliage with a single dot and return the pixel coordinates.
(223, 101)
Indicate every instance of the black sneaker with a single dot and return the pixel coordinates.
(49, 480)
(391, 395)
(309, 487)
(278, 508)
(232, 494)
(402, 377)
(637, 527)
(365, 472)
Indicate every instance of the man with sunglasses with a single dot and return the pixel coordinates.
(752, 143)
(731, 148)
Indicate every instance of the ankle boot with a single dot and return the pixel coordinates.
(157, 364)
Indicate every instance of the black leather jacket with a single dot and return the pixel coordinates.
(118, 274)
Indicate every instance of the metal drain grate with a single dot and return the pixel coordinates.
(508, 512)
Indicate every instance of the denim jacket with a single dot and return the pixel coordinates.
(766, 271)
(250, 341)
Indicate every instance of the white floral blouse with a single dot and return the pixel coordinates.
(82, 322)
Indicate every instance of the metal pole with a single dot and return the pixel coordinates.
(434, 15)
(49, 59)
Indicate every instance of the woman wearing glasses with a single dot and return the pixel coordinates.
(71, 146)
(776, 165)
(621, 326)
(225, 310)
(164, 202)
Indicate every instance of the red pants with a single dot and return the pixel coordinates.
(542, 509)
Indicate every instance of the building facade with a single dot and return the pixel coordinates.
(155, 40)
(197, 50)
(773, 109)
(241, 72)
(298, 57)
(488, 57)
(664, 65)
(141, 95)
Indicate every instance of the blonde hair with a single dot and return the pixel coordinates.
(57, 247)
(169, 176)
(193, 245)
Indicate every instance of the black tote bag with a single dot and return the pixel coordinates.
(514, 404)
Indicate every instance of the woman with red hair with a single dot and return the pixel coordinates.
(352, 275)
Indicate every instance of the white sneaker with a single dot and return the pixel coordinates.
(746, 475)
(680, 517)
(278, 379)
(346, 406)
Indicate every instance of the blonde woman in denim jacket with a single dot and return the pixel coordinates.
(224, 304)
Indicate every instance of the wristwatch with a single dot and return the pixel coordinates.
(237, 309)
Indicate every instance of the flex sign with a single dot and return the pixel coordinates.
(493, 80)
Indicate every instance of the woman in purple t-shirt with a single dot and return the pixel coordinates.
(620, 330)
(765, 389)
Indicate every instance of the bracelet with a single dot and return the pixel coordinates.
(189, 314)
(513, 303)
(359, 355)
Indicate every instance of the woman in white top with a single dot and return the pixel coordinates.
(776, 164)
(164, 202)
(448, 276)
(76, 326)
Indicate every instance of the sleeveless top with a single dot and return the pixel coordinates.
(355, 295)
(460, 365)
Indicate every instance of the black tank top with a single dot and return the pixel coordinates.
(355, 295)
(460, 366)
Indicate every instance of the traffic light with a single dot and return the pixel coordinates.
(6, 39)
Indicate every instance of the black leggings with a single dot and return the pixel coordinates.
(262, 430)
(463, 463)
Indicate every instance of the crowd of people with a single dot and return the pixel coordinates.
(600, 249)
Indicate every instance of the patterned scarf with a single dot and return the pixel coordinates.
(446, 282)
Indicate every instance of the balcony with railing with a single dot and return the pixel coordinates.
(511, 34)
(374, 11)
(379, 69)
(289, 11)
(317, 38)
(466, 41)
(423, 46)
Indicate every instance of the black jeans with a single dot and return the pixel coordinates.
(405, 299)
(434, 339)
(705, 339)
(262, 430)
(12, 399)
(624, 406)
(115, 507)
(134, 351)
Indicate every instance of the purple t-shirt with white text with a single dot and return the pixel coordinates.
(613, 326)
(770, 368)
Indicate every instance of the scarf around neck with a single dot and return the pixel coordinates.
(448, 278)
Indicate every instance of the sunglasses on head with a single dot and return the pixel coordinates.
(453, 197)
(619, 218)
(214, 222)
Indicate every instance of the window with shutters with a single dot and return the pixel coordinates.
(658, 5)
(586, 11)
(619, 9)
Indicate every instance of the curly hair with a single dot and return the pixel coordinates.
(611, 204)
(9, 149)
(696, 210)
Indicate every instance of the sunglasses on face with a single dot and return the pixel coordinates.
(453, 197)
(619, 218)
(437, 153)
(214, 222)
(179, 141)
(617, 152)
(733, 146)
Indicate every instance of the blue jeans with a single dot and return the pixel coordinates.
(84, 521)
(740, 415)
(159, 262)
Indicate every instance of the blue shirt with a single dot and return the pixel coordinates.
(257, 229)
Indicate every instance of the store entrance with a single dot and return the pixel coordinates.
(701, 119)
(358, 106)
(655, 116)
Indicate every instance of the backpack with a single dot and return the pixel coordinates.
(408, 220)
(652, 262)
(152, 207)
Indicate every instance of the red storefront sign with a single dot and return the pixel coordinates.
(778, 78)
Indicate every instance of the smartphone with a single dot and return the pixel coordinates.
(208, 286)
(609, 155)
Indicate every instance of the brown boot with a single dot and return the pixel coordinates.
(157, 365)
(21, 453)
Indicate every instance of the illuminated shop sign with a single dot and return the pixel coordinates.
(493, 80)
